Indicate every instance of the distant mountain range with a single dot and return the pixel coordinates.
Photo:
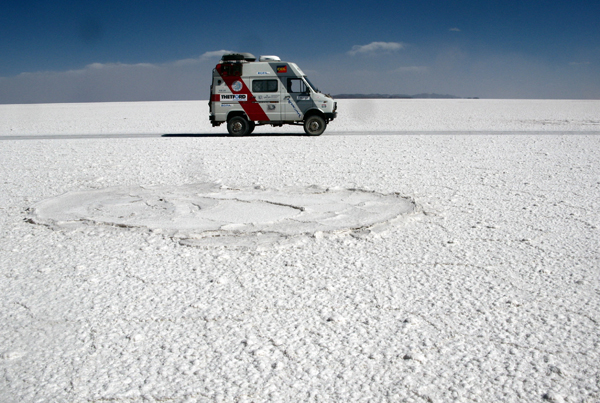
(399, 96)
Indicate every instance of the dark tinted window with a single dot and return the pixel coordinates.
(231, 69)
(264, 86)
(296, 85)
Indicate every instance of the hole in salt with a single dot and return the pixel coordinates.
(207, 214)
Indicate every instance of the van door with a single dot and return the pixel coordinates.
(297, 100)
(267, 93)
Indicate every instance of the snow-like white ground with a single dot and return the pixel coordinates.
(418, 251)
(410, 115)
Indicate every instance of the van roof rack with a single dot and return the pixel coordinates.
(238, 57)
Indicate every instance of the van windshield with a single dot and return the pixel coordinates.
(311, 84)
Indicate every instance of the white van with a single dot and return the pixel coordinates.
(246, 93)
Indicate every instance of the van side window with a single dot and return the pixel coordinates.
(296, 85)
(232, 69)
(264, 86)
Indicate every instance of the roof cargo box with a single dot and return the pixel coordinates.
(236, 57)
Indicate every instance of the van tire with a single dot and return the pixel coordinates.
(238, 126)
(315, 125)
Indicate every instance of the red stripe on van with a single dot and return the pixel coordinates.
(251, 107)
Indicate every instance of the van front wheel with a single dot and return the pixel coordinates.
(315, 125)
(238, 126)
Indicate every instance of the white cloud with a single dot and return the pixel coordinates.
(203, 57)
(95, 66)
(451, 71)
(376, 47)
(215, 53)
(455, 29)
(97, 82)
(98, 66)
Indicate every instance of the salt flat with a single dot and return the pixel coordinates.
(365, 115)
(486, 289)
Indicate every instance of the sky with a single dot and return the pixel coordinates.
(150, 50)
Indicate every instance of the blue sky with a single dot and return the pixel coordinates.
(130, 50)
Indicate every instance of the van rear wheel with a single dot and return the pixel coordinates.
(314, 125)
(238, 126)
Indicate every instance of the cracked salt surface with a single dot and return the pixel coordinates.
(208, 214)
(489, 293)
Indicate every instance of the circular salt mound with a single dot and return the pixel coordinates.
(208, 214)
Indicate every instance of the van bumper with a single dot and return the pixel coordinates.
(330, 115)
(213, 121)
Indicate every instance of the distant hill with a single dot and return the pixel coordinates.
(399, 96)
